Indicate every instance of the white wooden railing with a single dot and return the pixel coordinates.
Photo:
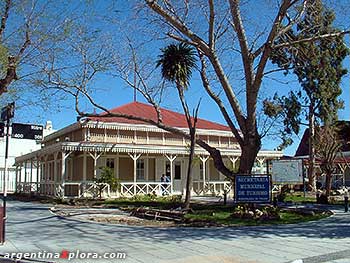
(212, 187)
(145, 188)
(90, 189)
(66, 190)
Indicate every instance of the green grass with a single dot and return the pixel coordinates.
(299, 198)
(166, 202)
(224, 218)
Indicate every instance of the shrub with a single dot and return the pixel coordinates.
(107, 177)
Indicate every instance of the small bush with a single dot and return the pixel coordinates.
(264, 213)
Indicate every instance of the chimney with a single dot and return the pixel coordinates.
(48, 125)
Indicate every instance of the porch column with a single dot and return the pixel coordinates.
(25, 172)
(117, 166)
(233, 161)
(261, 161)
(31, 175)
(135, 157)
(45, 176)
(63, 170)
(95, 157)
(342, 168)
(37, 174)
(21, 179)
(204, 160)
(55, 179)
(84, 166)
(16, 181)
(171, 159)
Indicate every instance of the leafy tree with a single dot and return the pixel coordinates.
(327, 147)
(177, 62)
(234, 59)
(107, 177)
(318, 67)
(254, 57)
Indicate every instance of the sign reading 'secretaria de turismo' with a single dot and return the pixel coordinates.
(252, 188)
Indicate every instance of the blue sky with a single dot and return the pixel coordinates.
(115, 92)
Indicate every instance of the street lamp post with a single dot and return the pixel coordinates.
(7, 114)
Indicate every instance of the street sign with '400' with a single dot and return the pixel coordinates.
(27, 131)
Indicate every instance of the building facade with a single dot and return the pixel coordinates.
(138, 153)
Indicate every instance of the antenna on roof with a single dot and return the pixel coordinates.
(135, 80)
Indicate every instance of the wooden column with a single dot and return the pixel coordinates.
(204, 160)
(84, 167)
(95, 157)
(171, 159)
(63, 170)
(135, 157)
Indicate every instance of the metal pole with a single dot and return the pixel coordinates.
(303, 173)
(5, 176)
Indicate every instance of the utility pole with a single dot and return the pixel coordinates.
(7, 114)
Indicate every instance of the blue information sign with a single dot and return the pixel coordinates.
(253, 188)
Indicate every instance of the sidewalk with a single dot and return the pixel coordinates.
(32, 227)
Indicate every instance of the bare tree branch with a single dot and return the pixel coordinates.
(4, 18)
(330, 35)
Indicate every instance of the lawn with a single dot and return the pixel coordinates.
(224, 216)
(207, 213)
(299, 198)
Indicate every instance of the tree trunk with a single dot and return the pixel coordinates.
(189, 170)
(311, 170)
(328, 184)
(249, 152)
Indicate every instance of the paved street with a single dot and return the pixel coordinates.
(31, 227)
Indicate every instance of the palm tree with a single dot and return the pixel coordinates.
(177, 62)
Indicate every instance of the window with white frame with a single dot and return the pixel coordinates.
(140, 169)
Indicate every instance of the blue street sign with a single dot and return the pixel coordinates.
(253, 188)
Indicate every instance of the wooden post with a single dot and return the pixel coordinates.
(171, 159)
(31, 176)
(204, 160)
(63, 170)
(84, 166)
(37, 174)
(95, 157)
(135, 157)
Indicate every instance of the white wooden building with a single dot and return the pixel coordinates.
(138, 153)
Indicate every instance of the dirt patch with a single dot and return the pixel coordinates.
(111, 216)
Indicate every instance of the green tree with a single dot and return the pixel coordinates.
(177, 62)
(327, 147)
(318, 67)
(106, 177)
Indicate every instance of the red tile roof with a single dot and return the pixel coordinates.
(170, 118)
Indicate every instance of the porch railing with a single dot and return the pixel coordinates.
(66, 190)
(90, 189)
(215, 188)
(144, 188)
